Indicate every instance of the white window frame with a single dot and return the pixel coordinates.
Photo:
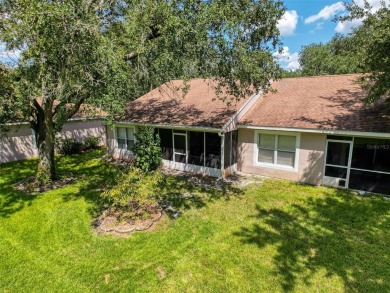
(34, 139)
(185, 134)
(348, 167)
(116, 137)
(275, 165)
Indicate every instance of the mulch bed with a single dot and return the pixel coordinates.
(108, 224)
(28, 185)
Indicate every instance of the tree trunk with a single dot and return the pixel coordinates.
(45, 136)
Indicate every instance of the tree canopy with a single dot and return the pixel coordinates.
(338, 56)
(373, 40)
(105, 53)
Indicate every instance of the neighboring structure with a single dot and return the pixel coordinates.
(313, 130)
(19, 143)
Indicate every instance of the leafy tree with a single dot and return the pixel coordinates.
(373, 40)
(147, 149)
(338, 56)
(291, 73)
(7, 88)
(107, 52)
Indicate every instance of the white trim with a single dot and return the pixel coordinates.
(277, 166)
(186, 142)
(222, 136)
(193, 128)
(34, 139)
(192, 168)
(71, 119)
(243, 109)
(372, 171)
(334, 181)
(321, 131)
(116, 138)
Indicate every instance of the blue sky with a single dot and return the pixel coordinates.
(311, 21)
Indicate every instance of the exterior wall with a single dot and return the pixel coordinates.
(311, 154)
(112, 147)
(19, 143)
(83, 129)
(127, 155)
(312, 158)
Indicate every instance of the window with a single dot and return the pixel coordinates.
(125, 137)
(166, 144)
(276, 149)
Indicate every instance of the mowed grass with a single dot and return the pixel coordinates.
(272, 237)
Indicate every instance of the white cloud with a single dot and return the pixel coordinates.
(375, 4)
(288, 23)
(288, 60)
(326, 12)
(347, 26)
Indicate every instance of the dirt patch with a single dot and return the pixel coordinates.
(238, 180)
(108, 223)
(29, 185)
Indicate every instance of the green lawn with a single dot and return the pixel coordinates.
(274, 237)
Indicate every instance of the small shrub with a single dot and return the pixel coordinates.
(147, 149)
(135, 194)
(69, 146)
(91, 142)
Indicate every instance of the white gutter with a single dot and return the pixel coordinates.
(322, 131)
(71, 119)
(210, 129)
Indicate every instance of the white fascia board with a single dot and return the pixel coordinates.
(243, 109)
(71, 119)
(321, 131)
(199, 128)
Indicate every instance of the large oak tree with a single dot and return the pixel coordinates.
(373, 40)
(107, 52)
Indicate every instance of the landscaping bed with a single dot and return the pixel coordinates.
(277, 236)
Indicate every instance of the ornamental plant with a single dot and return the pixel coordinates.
(147, 149)
(135, 196)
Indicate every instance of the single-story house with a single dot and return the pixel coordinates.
(313, 130)
(19, 142)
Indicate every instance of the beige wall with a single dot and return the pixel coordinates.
(113, 150)
(310, 158)
(83, 129)
(19, 145)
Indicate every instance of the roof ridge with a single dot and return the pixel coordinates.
(325, 75)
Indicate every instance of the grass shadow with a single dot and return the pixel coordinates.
(185, 194)
(12, 200)
(344, 234)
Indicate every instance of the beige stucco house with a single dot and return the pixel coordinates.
(19, 143)
(313, 130)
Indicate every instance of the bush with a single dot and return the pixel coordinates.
(69, 146)
(135, 194)
(92, 142)
(147, 149)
